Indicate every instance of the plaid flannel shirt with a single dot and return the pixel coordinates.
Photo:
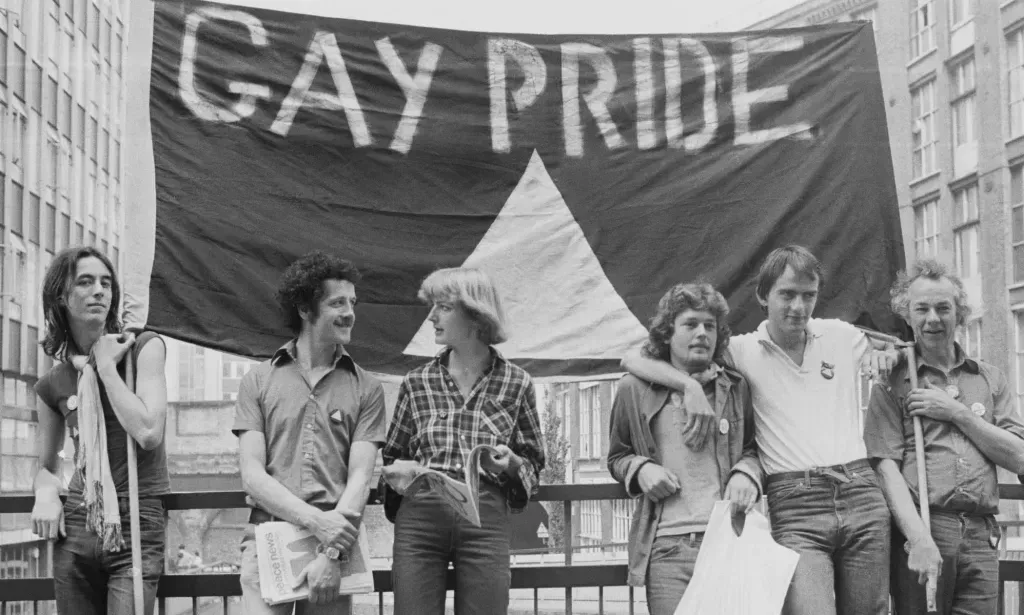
(435, 426)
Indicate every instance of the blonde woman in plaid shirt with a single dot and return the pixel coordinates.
(467, 395)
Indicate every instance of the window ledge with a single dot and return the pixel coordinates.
(922, 57)
(954, 27)
(1014, 139)
(920, 180)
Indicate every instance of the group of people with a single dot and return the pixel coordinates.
(310, 423)
(703, 416)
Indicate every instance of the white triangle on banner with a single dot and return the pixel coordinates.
(559, 303)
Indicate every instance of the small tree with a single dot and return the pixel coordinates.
(556, 452)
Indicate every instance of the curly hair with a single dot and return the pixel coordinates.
(933, 270)
(302, 284)
(60, 276)
(699, 296)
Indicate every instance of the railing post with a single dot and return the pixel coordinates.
(567, 535)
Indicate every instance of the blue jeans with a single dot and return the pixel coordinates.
(429, 535)
(969, 579)
(670, 570)
(841, 531)
(89, 581)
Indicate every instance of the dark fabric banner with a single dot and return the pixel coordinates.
(585, 174)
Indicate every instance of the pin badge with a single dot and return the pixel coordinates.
(723, 426)
(677, 400)
(828, 371)
(953, 391)
(978, 409)
(73, 402)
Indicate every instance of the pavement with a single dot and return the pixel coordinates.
(550, 601)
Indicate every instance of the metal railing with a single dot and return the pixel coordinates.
(541, 579)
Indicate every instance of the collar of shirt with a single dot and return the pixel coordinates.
(961, 363)
(441, 359)
(765, 338)
(289, 353)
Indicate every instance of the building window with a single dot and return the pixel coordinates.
(66, 117)
(622, 516)
(970, 338)
(966, 247)
(962, 95)
(590, 417)
(3, 57)
(19, 137)
(18, 78)
(18, 459)
(94, 140)
(590, 522)
(922, 28)
(1017, 221)
(17, 215)
(926, 229)
(1019, 321)
(35, 88)
(1015, 80)
(94, 27)
(585, 436)
(960, 11)
(922, 106)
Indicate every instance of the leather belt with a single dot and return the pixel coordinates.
(840, 473)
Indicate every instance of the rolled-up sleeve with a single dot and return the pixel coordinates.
(527, 443)
(1004, 414)
(883, 426)
(248, 411)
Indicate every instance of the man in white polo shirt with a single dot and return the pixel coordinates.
(824, 499)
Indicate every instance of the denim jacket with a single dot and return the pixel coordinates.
(631, 444)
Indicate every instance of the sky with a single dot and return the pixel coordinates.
(548, 16)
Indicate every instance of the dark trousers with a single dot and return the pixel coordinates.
(969, 579)
(429, 535)
(841, 531)
(90, 581)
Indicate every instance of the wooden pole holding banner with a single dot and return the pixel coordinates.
(133, 499)
(922, 481)
(931, 588)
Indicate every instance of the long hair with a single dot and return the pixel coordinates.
(699, 296)
(302, 285)
(57, 342)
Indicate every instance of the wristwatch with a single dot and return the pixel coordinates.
(331, 552)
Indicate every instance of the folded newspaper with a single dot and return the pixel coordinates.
(408, 477)
(284, 549)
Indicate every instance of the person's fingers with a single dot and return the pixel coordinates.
(62, 530)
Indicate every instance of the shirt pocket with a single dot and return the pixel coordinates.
(497, 418)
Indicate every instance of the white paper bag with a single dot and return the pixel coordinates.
(738, 575)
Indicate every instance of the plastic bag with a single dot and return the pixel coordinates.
(738, 575)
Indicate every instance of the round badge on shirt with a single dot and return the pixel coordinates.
(676, 400)
(978, 409)
(723, 426)
(953, 391)
(72, 402)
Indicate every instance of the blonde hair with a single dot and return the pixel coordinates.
(475, 292)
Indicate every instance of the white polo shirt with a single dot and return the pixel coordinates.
(803, 418)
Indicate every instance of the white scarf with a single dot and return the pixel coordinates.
(103, 516)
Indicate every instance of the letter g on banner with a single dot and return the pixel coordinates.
(248, 92)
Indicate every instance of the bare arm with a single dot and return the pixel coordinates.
(143, 413)
(901, 503)
(361, 460)
(269, 494)
(47, 511)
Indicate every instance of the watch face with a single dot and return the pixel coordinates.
(332, 552)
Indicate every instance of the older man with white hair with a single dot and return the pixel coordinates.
(970, 427)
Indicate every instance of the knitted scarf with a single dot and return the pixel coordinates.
(103, 516)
